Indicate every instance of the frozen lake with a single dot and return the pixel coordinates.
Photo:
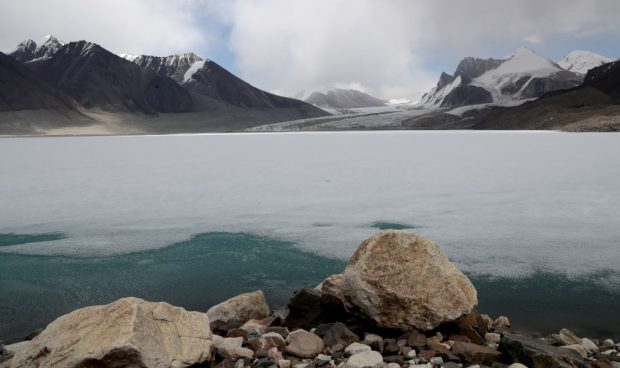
(533, 218)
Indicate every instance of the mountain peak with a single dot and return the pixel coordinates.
(580, 61)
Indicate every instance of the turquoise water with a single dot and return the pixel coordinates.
(196, 274)
(211, 267)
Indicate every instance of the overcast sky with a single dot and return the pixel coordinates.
(391, 48)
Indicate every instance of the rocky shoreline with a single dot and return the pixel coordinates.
(400, 303)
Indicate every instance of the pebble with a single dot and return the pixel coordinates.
(609, 352)
(578, 348)
(412, 354)
(609, 343)
(356, 347)
(492, 337)
(589, 344)
(393, 365)
(517, 365)
(364, 359)
(283, 363)
(436, 361)
(426, 365)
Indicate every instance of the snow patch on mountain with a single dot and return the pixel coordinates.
(580, 61)
(189, 74)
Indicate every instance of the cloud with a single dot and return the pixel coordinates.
(389, 47)
(392, 49)
(134, 26)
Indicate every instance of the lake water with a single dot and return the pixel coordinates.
(533, 218)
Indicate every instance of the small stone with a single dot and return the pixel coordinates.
(589, 345)
(493, 337)
(304, 344)
(275, 354)
(405, 350)
(355, 348)
(609, 343)
(436, 361)
(240, 363)
(338, 333)
(257, 326)
(566, 337)
(401, 343)
(390, 347)
(393, 365)
(426, 354)
(364, 359)
(423, 365)
(282, 331)
(283, 363)
(517, 365)
(609, 352)
(265, 363)
(374, 341)
(301, 365)
(230, 348)
(475, 353)
(451, 365)
(578, 348)
(601, 364)
(412, 354)
(398, 359)
(501, 323)
(417, 340)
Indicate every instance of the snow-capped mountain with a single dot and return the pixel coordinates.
(340, 98)
(29, 50)
(524, 75)
(173, 66)
(581, 61)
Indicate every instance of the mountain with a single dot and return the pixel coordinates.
(29, 50)
(173, 66)
(339, 98)
(593, 106)
(524, 75)
(97, 78)
(581, 61)
(23, 90)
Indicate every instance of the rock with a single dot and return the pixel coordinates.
(364, 359)
(355, 348)
(374, 341)
(226, 363)
(517, 365)
(282, 331)
(398, 359)
(473, 327)
(275, 354)
(607, 344)
(231, 348)
(401, 280)
(417, 340)
(501, 324)
(222, 328)
(487, 321)
(411, 354)
(601, 364)
(303, 344)
(589, 345)
(492, 337)
(476, 354)
(14, 348)
(333, 286)
(578, 348)
(242, 307)
(338, 333)
(265, 363)
(309, 308)
(390, 346)
(257, 326)
(393, 365)
(536, 354)
(129, 331)
(436, 361)
(267, 341)
(566, 337)
(284, 363)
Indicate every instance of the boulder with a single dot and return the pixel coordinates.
(476, 354)
(127, 332)
(303, 344)
(242, 307)
(364, 359)
(536, 354)
(401, 280)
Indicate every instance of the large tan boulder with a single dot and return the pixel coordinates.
(129, 332)
(401, 280)
(242, 307)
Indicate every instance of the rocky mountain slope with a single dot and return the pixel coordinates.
(340, 98)
(133, 94)
(22, 89)
(97, 78)
(524, 75)
(595, 105)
